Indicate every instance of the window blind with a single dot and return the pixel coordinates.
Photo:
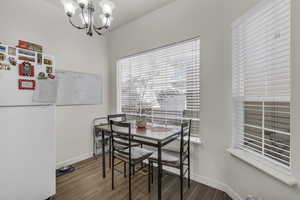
(261, 81)
(162, 84)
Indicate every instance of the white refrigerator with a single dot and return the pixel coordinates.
(27, 153)
(27, 134)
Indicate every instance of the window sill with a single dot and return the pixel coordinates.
(194, 140)
(269, 168)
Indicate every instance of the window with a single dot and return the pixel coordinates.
(261, 81)
(162, 84)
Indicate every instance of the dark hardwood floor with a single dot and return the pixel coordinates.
(86, 183)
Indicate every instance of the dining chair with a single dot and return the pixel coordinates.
(121, 118)
(177, 159)
(97, 140)
(123, 150)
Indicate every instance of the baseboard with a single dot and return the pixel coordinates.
(74, 160)
(211, 182)
(233, 194)
(216, 184)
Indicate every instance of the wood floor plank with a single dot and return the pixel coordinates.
(86, 183)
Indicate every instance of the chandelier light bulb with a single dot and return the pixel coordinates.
(107, 7)
(106, 20)
(110, 19)
(70, 7)
(83, 3)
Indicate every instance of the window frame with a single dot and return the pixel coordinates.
(235, 147)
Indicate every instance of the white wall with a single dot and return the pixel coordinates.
(43, 23)
(211, 19)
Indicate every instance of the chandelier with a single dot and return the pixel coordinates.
(86, 14)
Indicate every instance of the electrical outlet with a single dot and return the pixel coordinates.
(250, 197)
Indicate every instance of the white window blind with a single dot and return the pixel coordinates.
(162, 84)
(261, 81)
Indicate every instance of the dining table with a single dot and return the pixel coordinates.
(153, 135)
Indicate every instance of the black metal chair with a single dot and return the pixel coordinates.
(123, 150)
(100, 121)
(177, 159)
(119, 118)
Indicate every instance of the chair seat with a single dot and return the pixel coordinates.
(137, 154)
(171, 158)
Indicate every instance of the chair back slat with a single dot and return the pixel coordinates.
(122, 152)
(117, 117)
(100, 121)
(120, 124)
(121, 142)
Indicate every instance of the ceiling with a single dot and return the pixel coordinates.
(127, 10)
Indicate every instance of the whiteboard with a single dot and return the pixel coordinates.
(76, 88)
(45, 91)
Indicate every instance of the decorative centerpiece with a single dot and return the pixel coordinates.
(142, 86)
(139, 87)
(141, 122)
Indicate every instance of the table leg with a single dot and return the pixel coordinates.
(109, 152)
(94, 141)
(159, 173)
(103, 156)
